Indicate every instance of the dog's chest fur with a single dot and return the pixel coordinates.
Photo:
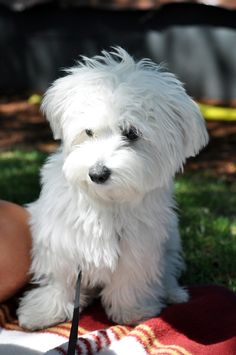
(96, 233)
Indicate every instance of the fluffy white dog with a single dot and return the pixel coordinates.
(106, 204)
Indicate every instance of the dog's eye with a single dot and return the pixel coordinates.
(132, 133)
(89, 132)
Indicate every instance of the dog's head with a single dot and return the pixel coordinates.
(127, 127)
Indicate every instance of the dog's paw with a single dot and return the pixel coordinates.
(40, 309)
(33, 320)
(177, 295)
(134, 315)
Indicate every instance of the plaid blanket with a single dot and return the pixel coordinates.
(204, 325)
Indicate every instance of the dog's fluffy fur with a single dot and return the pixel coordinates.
(134, 120)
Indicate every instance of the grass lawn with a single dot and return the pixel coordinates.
(206, 211)
(208, 228)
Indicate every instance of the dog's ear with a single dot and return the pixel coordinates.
(187, 120)
(53, 106)
(192, 126)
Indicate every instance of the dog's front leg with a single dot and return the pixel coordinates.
(45, 305)
(49, 304)
(136, 291)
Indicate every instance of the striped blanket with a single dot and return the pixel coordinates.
(204, 325)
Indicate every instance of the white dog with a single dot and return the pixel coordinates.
(106, 204)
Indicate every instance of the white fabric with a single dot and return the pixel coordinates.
(16, 342)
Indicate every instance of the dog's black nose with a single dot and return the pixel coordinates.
(99, 173)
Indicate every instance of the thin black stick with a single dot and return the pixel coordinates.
(75, 319)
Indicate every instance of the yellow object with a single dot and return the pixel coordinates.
(35, 99)
(218, 113)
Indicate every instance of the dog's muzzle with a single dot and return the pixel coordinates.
(99, 173)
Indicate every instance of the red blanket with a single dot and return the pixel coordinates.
(204, 325)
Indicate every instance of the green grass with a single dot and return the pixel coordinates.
(19, 175)
(206, 211)
(208, 229)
